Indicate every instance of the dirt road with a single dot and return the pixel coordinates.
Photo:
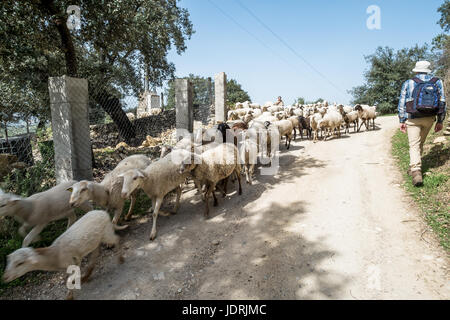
(333, 224)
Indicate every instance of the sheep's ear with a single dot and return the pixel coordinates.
(70, 189)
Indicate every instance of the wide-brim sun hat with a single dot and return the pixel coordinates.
(422, 66)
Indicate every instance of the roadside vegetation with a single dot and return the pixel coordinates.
(433, 198)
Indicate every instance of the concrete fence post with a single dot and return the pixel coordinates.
(183, 105)
(220, 94)
(70, 124)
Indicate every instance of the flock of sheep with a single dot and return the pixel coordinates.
(209, 159)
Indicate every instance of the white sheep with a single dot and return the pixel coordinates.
(212, 166)
(84, 237)
(285, 129)
(107, 193)
(248, 151)
(332, 120)
(157, 180)
(314, 120)
(38, 210)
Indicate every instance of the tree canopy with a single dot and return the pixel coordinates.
(235, 93)
(388, 69)
(117, 43)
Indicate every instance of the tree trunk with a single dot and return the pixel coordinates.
(112, 106)
(66, 39)
(6, 133)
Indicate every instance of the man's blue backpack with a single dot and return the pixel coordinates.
(426, 97)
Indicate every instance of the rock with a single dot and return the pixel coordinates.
(216, 242)
(6, 160)
(121, 145)
(441, 139)
(19, 165)
(447, 133)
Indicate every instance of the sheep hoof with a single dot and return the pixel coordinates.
(152, 236)
(85, 278)
(121, 259)
(69, 296)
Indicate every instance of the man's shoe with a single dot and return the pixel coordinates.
(417, 178)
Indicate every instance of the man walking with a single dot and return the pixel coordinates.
(422, 100)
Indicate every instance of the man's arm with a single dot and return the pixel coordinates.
(442, 103)
(402, 104)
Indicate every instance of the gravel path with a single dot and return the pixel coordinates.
(333, 224)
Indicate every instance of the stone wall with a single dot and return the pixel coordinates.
(106, 135)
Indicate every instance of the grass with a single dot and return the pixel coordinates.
(433, 197)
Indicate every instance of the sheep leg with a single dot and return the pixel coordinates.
(208, 191)
(130, 210)
(23, 230)
(158, 203)
(295, 133)
(238, 175)
(32, 236)
(92, 260)
(71, 219)
(251, 169)
(117, 213)
(247, 178)
(177, 203)
(216, 203)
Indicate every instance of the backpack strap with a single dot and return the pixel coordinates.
(417, 80)
(434, 80)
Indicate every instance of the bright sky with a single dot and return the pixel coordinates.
(330, 35)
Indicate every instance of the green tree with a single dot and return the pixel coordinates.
(116, 40)
(441, 43)
(235, 93)
(300, 100)
(388, 69)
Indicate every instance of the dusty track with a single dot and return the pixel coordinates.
(333, 224)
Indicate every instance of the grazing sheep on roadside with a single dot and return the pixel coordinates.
(38, 210)
(366, 113)
(214, 165)
(157, 180)
(84, 237)
(107, 193)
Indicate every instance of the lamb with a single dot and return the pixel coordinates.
(157, 180)
(84, 237)
(107, 193)
(212, 166)
(38, 210)
(366, 113)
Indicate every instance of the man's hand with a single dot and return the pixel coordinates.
(438, 127)
(403, 127)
